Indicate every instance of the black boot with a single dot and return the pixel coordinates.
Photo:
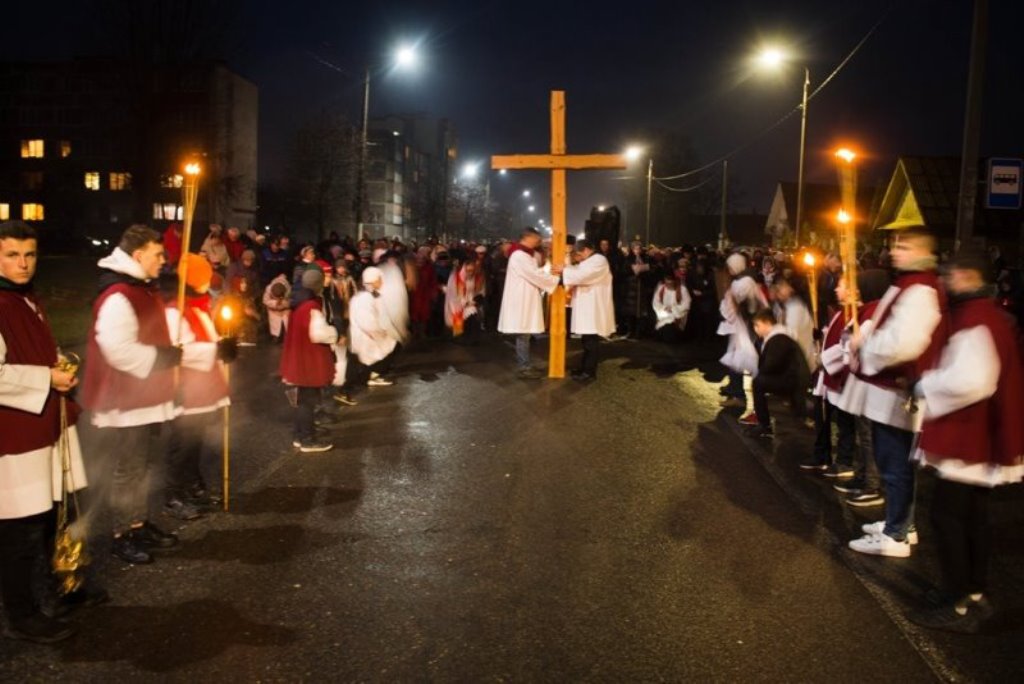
(129, 550)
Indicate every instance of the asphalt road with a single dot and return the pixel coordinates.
(475, 527)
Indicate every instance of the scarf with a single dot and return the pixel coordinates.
(10, 286)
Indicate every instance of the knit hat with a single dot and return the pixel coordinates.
(378, 253)
(736, 263)
(199, 274)
(372, 274)
(313, 279)
(324, 266)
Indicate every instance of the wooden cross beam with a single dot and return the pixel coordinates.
(558, 162)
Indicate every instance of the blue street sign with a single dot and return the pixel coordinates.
(1004, 183)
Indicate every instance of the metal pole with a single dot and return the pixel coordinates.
(725, 190)
(800, 172)
(647, 216)
(361, 173)
(972, 127)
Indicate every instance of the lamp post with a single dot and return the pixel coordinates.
(405, 57)
(773, 58)
(633, 154)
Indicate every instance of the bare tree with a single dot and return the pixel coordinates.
(321, 172)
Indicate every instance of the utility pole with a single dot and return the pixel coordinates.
(361, 169)
(972, 127)
(800, 171)
(725, 190)
(647, 215)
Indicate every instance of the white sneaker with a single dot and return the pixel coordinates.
(877, 528)
(379, 382)
(881, 545)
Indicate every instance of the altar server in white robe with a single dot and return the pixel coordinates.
(589, 281)
(522, 306)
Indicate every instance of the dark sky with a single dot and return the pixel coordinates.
(627, 68)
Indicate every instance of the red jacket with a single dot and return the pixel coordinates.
(305, 363)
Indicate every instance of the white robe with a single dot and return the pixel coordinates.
(904, 336)
(968, 372)
(669, 309)
(368, 339)
(278, 310)
(740, 355)
(394, 302)
(31, 481)
(522, 309)
(797, 319)
(465, 303)
(593, 309)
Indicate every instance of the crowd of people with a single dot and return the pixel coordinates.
(897, 369)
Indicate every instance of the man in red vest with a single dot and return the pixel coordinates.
(129, 383)
(307, 362)
(973, 440)
(900, 341)
(31, 389)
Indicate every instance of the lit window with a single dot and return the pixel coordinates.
(65, 149)
(32, 149)
(92, 180)
(5, 211)
(167, 211)
(172, 181)
(32, 212)
(120, 181)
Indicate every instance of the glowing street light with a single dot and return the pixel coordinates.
(600, 207)
(634, 152)
(526, 193)
(771, 58)
(406, 57)
(503, 172)
(470, 170)
(531, 208)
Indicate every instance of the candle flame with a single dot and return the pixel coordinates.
(226, 313)
(192, 169)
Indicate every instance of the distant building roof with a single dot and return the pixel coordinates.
(821, 203)
(925, 191)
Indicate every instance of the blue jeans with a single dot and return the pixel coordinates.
(892, 454)
(523, 352)
(735, 386)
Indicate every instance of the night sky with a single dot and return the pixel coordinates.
(626, 67)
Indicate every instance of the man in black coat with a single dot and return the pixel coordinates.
(782, 374)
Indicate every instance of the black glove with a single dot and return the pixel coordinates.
(227, 349)
(818, 335)
(167, 357)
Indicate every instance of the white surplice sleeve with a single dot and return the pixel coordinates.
(968, 372)
(117, 335)
(22, 386)
(905, 334)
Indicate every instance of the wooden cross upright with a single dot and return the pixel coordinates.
(558, 161)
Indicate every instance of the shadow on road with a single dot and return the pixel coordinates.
(292, 499)
(167, 638)
(255, 545)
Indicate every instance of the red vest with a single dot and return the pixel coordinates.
(201, 389)
(105, 387)
(906, 374)
(991, 430)
(30, 343)
(833, 336)
(304, 363)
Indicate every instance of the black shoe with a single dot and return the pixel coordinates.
(181, 510)
(84, 597)
(530, 374)
(839, 471)
(867, 497)
(947, 619)
(581, 376)
(813, 466)
(128, 549)
(346, 399)
(758, 432)
(40, 629)
(315, 445)
(152, 537)
(853, 486)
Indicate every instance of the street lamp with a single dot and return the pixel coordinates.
(405, 57)
(470, 170)
(773, 58)
(531, 208)
(526, 193)
(633, 154)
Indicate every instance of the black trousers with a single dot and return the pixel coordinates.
(588, 364)
(186, 443)
(305, 410)
(21, 545)
(960, 515)
(846, 443)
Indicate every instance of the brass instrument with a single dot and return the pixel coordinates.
(69, 554)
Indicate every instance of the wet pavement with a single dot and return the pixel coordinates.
(471, 526)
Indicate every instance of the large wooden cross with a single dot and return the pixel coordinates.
(558, 161)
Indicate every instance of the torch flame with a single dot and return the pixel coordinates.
(843, 216)
(809, 259)
(226, 313)
(192, 169)
(846, 154)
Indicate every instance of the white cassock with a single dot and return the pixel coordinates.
(522, 309)
(394, 302)
(31, 481)
(368, 339)
(741, 355)
(278, 310)
(670, 307)
(903, 336)
(797, 319)
(593, 310)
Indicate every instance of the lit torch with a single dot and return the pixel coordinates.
(226, 316)
(812, 282)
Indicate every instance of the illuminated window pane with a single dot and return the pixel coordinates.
(32, 212)
(92, 180)
(32, 149)
(65, 149)
(180, 214)
(172, 181)
(5, 211)
(158, 210)
(120, 181)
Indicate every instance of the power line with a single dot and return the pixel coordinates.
(698, 186)
(793, 111)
